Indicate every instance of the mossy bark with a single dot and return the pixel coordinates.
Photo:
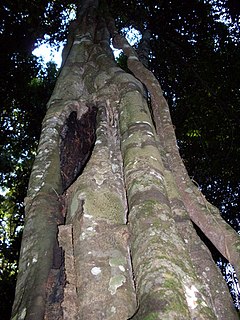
(111, 237)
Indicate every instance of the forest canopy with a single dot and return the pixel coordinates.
(195, 55)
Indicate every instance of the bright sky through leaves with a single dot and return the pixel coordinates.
(48, 53)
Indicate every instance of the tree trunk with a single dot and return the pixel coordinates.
(110, 208)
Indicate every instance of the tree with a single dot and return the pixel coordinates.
(110, 210)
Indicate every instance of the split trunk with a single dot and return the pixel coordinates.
(110, 210)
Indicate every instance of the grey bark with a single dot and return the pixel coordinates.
(118, 243)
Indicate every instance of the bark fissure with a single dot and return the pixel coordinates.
(76, 145)
(100, 232)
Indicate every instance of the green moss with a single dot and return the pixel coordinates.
(180, 263)
(178, 305)
(170, 282)
(151, 316)
(117, 261)
(104, 205)
(207, 313)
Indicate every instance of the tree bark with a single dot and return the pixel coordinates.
(108, 231)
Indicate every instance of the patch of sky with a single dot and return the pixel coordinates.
(132, 35)
(49, 53)
(46, 52)
(3, 191)
(233, 283)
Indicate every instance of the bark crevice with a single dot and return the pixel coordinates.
(76, 144)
